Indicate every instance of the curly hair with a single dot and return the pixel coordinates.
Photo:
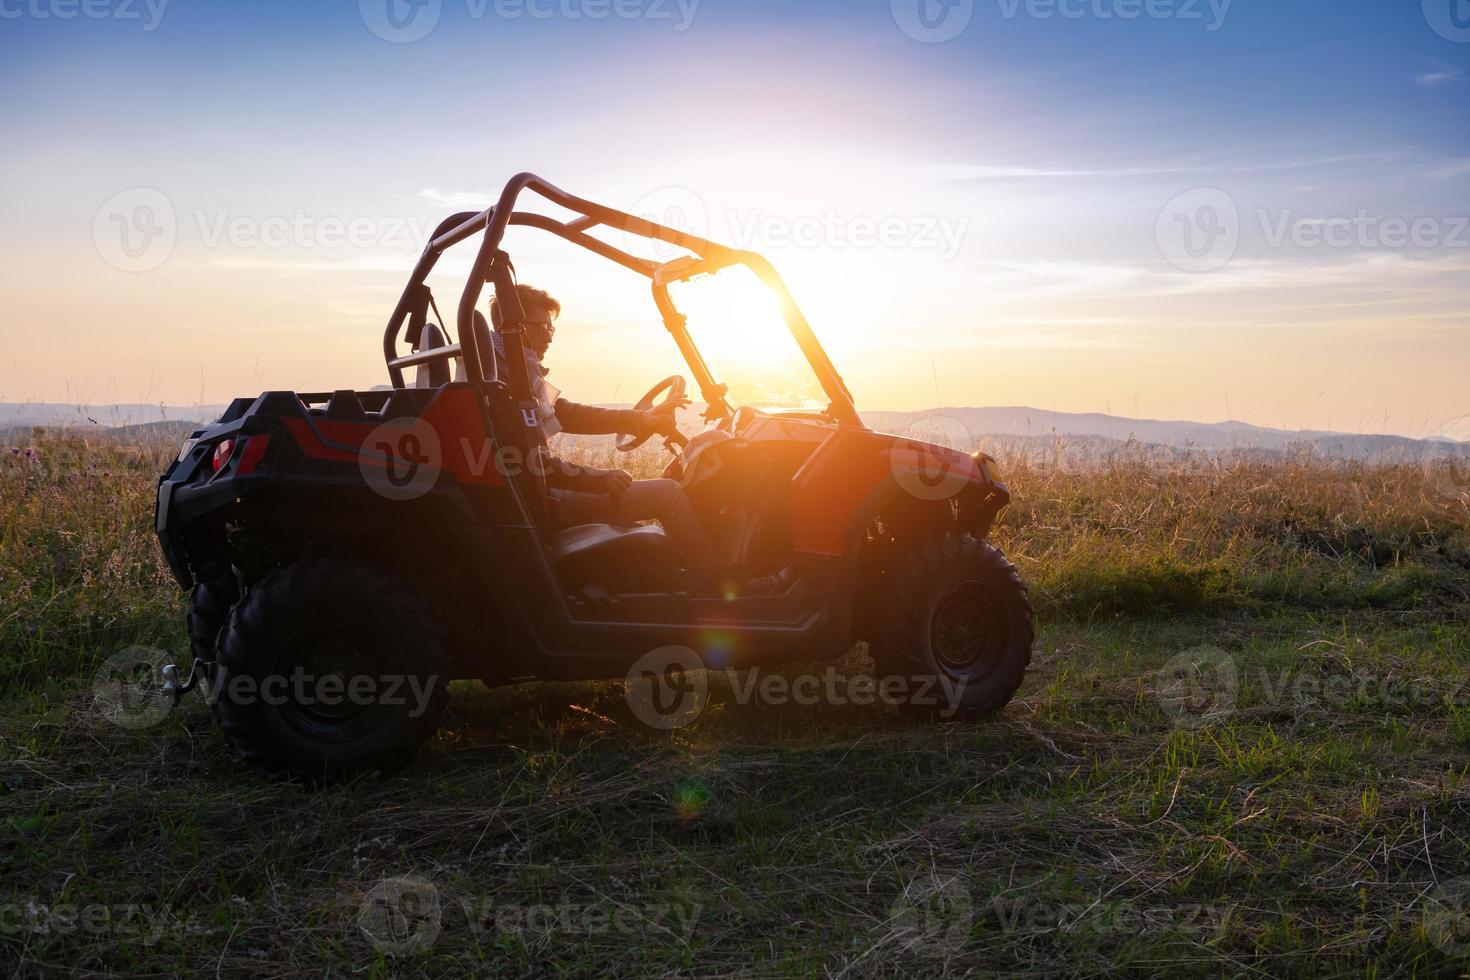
(530, 297)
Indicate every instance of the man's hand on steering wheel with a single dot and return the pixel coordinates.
(655, 419)
(660, 420)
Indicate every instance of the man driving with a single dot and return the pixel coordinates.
(587, 495)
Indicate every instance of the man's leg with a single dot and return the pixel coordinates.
(665, 501)
(573, 508)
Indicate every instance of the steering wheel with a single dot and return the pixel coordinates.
(674, 385)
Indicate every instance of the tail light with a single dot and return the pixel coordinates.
(222, 454)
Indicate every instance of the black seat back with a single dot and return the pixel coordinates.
(434, 374)
(486, 345)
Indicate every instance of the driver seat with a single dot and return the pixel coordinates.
(621, 559)
(618, 558)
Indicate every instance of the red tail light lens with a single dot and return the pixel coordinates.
(222, 454)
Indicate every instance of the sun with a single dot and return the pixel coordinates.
(737, 324)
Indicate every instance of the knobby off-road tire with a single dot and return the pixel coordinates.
(955, 609)
(321, 619)
(209, 610)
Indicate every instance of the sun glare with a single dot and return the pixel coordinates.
(737, 324)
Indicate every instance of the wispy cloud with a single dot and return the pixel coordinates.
(476, 200)
(301, 266)
(967, 171)
(1442, 75)
(1011, 280)
(1371, 272)
(1452, 169)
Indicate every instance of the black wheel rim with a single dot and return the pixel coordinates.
(338, 714)
(967, 631)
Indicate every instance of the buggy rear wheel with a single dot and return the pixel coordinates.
(209, 609)
(956, 620)
(326, 669)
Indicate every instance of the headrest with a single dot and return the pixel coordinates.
(486, 345)
(434, 374)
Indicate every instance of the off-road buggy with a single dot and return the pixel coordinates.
(351, 552)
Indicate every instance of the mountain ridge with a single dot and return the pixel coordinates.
(948, 424)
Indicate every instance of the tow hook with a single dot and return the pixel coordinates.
(171, 686)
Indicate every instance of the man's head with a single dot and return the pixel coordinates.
(541, 309)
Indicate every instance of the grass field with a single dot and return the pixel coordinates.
(1305, 813)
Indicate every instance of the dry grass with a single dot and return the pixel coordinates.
(1316, 828)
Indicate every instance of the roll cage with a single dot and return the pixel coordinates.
(493, 265)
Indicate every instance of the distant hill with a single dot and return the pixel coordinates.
(1018, 428)
(55, 414)
(167, 433)
(1034, 427)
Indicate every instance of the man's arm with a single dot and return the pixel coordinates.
(564, 475)
(589, 420)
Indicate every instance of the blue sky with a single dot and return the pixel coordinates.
(1051, 141)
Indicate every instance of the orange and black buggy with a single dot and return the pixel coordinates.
(396, 539)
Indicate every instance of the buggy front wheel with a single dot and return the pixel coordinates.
(955, 618)
(329, 668)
